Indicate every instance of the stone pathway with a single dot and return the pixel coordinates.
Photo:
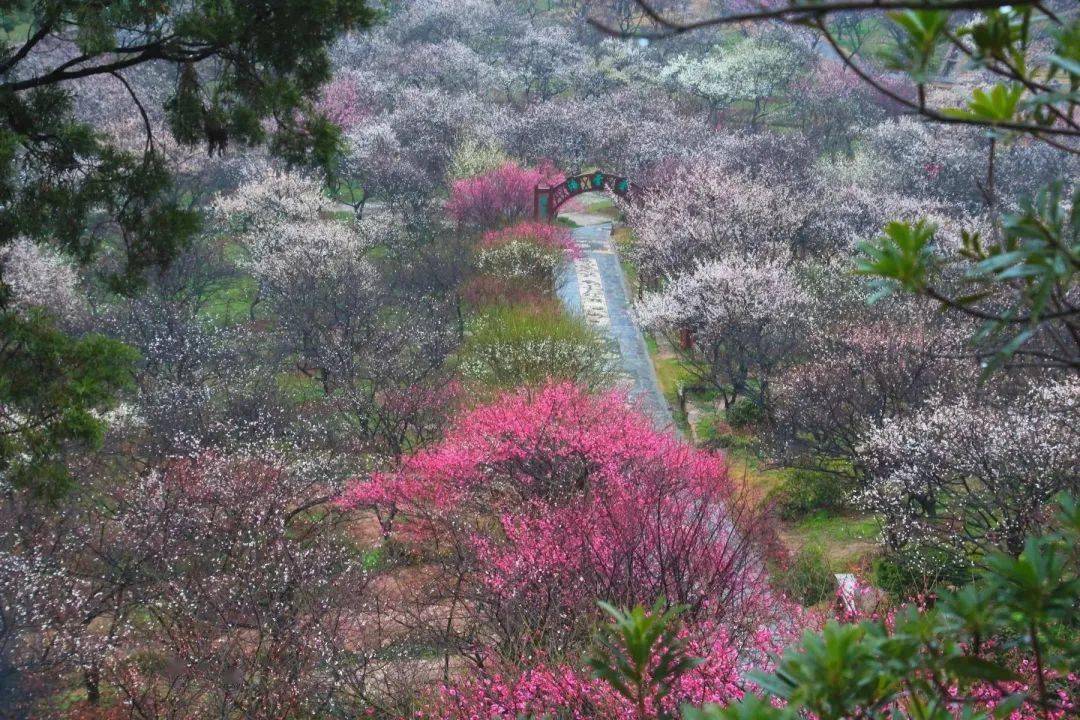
(595, 287)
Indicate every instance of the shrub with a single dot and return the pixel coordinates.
(897, 575)
(743, 412)
(804, 492)
(527, 252)
(806, 577)
(708, 430)
(516, 345)
(496, 197)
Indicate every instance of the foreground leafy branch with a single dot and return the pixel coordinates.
(1004, 644)
(1021, 286)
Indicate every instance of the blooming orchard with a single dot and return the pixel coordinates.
(294, 422)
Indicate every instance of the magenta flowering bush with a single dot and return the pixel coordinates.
(498, 197)
(533, 693)
(572, 691)
(555, 498)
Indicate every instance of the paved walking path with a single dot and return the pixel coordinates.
(596, 287)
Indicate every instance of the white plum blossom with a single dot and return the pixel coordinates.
(327, 251)
(746, 316)
(860, 363)
(968, 474)
(452, 65)
(540, 56)
(703, 210)
(519, 260)
(753, 71)
(402, 154)
(291, 239)
(41, 277)
(267, 197)
(946, 164)
(728, 290)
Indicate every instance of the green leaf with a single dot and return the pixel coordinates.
(1067, 64)
(999, 105)
(998, 261)
(903, 254)
(922, 32)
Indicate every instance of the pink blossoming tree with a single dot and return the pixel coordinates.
(573, 692)
(499, 196)
(553, 499)
(343, 103)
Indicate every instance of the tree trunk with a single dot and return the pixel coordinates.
(92, 683)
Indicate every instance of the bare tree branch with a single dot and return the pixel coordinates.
(142, 111)
(792, 13)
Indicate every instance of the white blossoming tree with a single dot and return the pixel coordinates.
(745, 317)
(964, 476)
(369, 334)
(704, 210)
(758, 72)
(155, 588)
(40, 277)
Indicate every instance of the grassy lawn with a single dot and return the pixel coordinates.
(603, 206)
(348, 192)
(300, 388)
(669, 370)
(373, 559)
(822, 527)
(672, 376)
(747, 467)
(230, 301)
(846, 540)
(233, 250)
(622, 237)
